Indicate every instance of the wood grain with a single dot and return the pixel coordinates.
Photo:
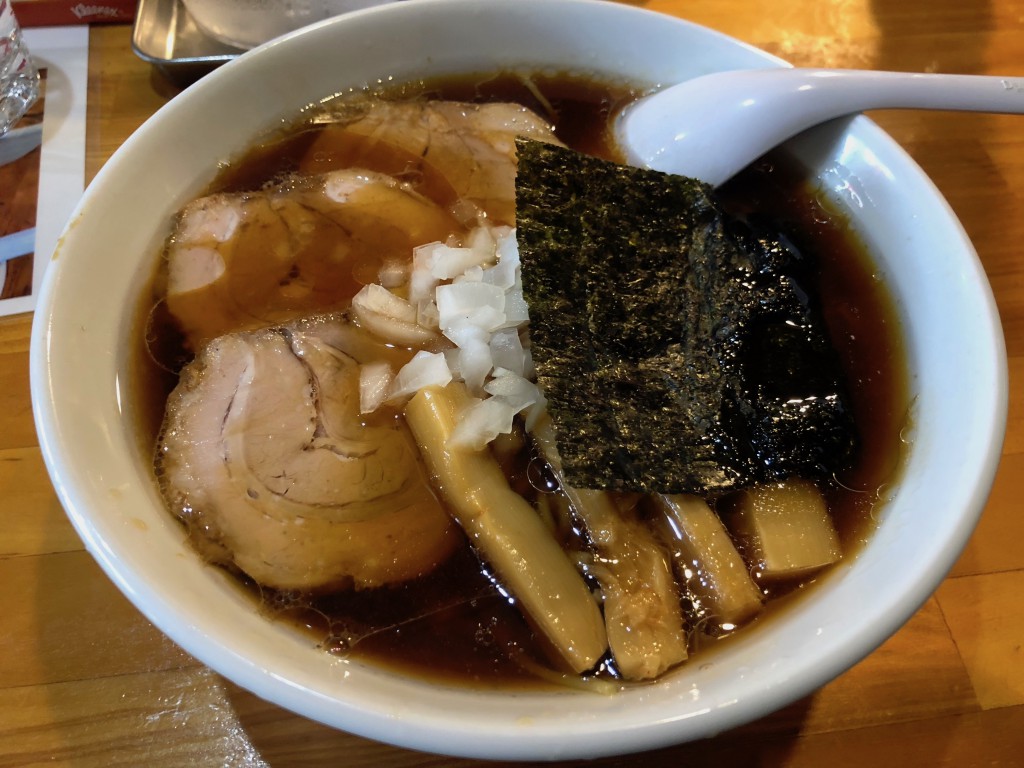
(16, 427)
(85, 680)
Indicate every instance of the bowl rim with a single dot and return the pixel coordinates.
(371, 713)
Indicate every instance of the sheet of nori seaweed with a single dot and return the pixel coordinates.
(677, 349)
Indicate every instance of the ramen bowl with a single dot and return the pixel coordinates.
(81, 379)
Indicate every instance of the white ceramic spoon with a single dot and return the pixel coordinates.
(712, 126)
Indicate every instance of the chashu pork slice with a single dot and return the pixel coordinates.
(451, 151)
(266, 458)
(239, 261)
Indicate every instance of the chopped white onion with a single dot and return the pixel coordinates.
(533, 413)
(528, 370)
(507, 351)
(426, 369)
(483, 239)
(473, 359)
(471, 291)
(505, 272)
(374, 382)
(377, 298)
(427, 315)
(506, 244)
(450, 262)
(515, 390)
(517, 312)
(451, 357)
(389, 316)
(474, 274)
(481, 423)
(393, 273)
(465, 333)
(466, 212)
(474, 364)
(421, 279)
(475, 303)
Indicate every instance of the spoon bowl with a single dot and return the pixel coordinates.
(714, 125)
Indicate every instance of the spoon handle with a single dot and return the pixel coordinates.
(833, 90)
(712, 126)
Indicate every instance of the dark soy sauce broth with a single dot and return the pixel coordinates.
(456, 624)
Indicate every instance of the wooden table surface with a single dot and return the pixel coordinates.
(85, 680)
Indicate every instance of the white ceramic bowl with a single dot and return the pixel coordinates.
(80, 353)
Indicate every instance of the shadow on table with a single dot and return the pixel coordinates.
(285, 740)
